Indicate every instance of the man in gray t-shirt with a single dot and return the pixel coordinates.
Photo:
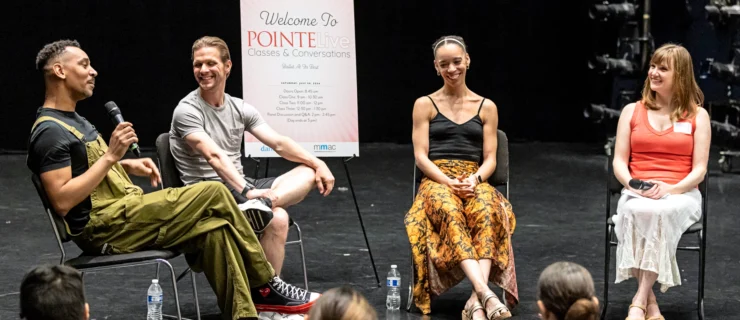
(205, 139)
(225, 125)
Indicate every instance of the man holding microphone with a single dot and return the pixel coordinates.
(87, 184)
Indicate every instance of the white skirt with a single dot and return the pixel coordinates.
(648, 232)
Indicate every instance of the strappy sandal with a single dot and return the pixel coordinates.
(500, 312)
(659, 317)
(644, 310)
(467, 313)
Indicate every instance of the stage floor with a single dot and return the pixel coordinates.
(557, 191)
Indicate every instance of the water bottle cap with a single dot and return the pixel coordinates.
(155, 281)
(394, 266)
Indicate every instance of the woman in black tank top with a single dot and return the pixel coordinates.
(454, 136)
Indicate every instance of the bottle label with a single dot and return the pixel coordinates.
(393, 282)
(154, 299)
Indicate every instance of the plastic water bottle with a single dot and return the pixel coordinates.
(154, 301)
(393, 300)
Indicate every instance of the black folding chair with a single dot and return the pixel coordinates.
(87, 262)
(500, 178)
(171, 179)
(613, 188)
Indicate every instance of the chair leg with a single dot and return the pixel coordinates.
(410, 301)
(174, 285)
(700, 301)
(183, 274)
(195, 295)
(607, 261)
(303, 257)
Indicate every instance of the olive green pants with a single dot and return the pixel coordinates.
(202, 221)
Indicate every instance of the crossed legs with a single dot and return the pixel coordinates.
(290, 189)
(645, 295)
(467, 230)
(477, 272)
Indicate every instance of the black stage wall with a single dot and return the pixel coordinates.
(528, 56)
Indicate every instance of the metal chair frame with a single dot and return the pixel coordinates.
(614, 187)
(116, 261)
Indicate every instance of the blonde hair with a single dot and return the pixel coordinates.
(343, 303)
(567, 290)
(215, 42)
(687, 96)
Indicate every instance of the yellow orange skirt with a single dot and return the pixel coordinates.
(444, 230)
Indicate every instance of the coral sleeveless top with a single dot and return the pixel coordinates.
(660, 155)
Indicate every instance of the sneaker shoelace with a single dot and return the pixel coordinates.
(289, 290)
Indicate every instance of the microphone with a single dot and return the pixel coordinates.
(639, 184)
(115, 116)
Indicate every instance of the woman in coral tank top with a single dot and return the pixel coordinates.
(663, 139)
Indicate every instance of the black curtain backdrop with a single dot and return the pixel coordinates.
(529, 57)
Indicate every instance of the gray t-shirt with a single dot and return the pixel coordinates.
(225, 125)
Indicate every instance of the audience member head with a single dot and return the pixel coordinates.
(53, 292)
(566, 292)
(343, 303)
(671, 74)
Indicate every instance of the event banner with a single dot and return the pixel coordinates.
(299, 71)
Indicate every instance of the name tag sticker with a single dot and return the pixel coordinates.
(682, 127)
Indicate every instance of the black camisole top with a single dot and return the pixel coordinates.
(452, 141)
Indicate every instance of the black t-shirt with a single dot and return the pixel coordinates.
(52, 147)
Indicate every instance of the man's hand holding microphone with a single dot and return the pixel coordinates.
(124, 138)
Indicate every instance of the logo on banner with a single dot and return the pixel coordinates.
(265, 148)
(324, 147)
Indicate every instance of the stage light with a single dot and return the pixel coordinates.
(600, 112)
(725, 128)
(721, 12)
(605, 64)
(727, 72)
(607, 11)
(631, 48)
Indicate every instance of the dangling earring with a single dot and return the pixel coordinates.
(437, 72)
(468, 67)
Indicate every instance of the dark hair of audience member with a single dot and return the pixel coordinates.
(53, 292)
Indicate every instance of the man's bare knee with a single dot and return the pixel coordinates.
(303, 174)
(280, 223)
(296, 184)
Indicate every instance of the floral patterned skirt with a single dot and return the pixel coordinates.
(444, 230)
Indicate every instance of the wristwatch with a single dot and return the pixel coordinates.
(246, 189)
(479, 178)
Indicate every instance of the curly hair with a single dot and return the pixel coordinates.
(53, 50)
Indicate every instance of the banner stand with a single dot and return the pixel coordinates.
(354, 198)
